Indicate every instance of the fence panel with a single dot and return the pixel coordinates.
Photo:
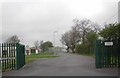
(8, 56)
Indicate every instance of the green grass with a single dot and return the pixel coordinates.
(32, 57)
(46, 53)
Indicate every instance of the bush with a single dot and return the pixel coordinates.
(84, 49)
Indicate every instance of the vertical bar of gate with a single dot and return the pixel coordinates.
(5, 55)
(114, 55)
(110, 52)
(105, 55)
(2, 57)
(96, 62)
(23, 54)
(118, 51)
(17, 56)
(10, 55)
(4, 62)
(97, 54)
(14, 56)
(108, 49)
(102, 53)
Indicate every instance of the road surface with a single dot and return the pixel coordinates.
(65, 65)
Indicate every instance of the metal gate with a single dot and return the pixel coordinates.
(107, 53)
(12, 56)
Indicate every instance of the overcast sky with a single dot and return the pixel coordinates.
(35, 20)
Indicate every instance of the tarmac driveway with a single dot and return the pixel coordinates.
(65, 65)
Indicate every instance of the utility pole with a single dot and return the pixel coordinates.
(54, 41)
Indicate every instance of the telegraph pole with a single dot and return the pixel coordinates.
(54, 41)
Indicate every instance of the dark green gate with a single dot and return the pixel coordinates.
(12, 56)
(107, 53)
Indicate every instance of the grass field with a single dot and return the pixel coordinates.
(30, 58)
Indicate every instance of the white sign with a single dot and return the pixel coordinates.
(108, 43)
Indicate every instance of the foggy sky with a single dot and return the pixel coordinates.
(35, 20)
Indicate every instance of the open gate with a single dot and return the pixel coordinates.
(107, 53)
(12, 56)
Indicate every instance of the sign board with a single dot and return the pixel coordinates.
(108, 43)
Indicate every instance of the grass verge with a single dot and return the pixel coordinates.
(32, 57)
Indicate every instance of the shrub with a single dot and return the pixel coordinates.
(84, 49)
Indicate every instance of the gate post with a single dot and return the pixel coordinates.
(118, 52)
(97, 54)
(17, 56)
(20, 55)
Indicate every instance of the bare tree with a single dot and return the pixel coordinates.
(65, 39)
(41, 45)
(70, 39)
(85, 26)
(36, 43)
(13, 39)
(78, 33)
(74, 38)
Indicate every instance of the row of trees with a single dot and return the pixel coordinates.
(13, 39)
(44, 46)
(83, 34)
(111, 31)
